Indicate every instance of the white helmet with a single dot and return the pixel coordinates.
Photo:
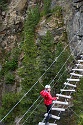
(47, 87)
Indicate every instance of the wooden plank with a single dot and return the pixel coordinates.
(80, 60)
(73, 80)
(64, 96)
(59, 102)
(67, 90)
(55, 117)
(68, 84)
(81, 70)
(58, 109)
(74, 74)
(81, 55)
(52, 116)
(41, 123)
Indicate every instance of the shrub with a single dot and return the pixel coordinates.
(47, 7)
(78, 103)
(8, 101)
(58, 11)
(9, 78)
(3, 4)
(10, 65)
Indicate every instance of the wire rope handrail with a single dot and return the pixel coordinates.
(60, 69)
(69, 95)
(52, 87)
(42, 99)
(53, 80)
(55, 76)
(32, 86)
(37, 81)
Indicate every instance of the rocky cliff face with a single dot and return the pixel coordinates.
(12, 24)
(77, 25)
(73, 18)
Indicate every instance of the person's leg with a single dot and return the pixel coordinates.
(49, 109)
(49, 112)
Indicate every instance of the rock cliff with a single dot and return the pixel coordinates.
(73, 18)
(12, 22)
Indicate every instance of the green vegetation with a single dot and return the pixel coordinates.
(78, 103)
(47, 55)
(10, 61)
(58, 11)
(3, 4)
(9, 78)
(30, 70)
(47, 7)
(30, 50)
(8, 101)
(11, 65)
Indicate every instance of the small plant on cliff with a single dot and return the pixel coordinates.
(47, 7)
(3, 5)
(11, 65)
(9, 78)
(58, 11)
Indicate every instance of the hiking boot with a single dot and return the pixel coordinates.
(47, 123)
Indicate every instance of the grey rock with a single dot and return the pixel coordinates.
(75, 27)
(81, 9)
(77, 1)
(53, 4)
(2, 123)
(43, 31)
(0, 67)
(3, 13)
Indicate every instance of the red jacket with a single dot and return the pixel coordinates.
(47, 97)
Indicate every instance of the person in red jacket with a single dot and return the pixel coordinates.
(47, 101)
